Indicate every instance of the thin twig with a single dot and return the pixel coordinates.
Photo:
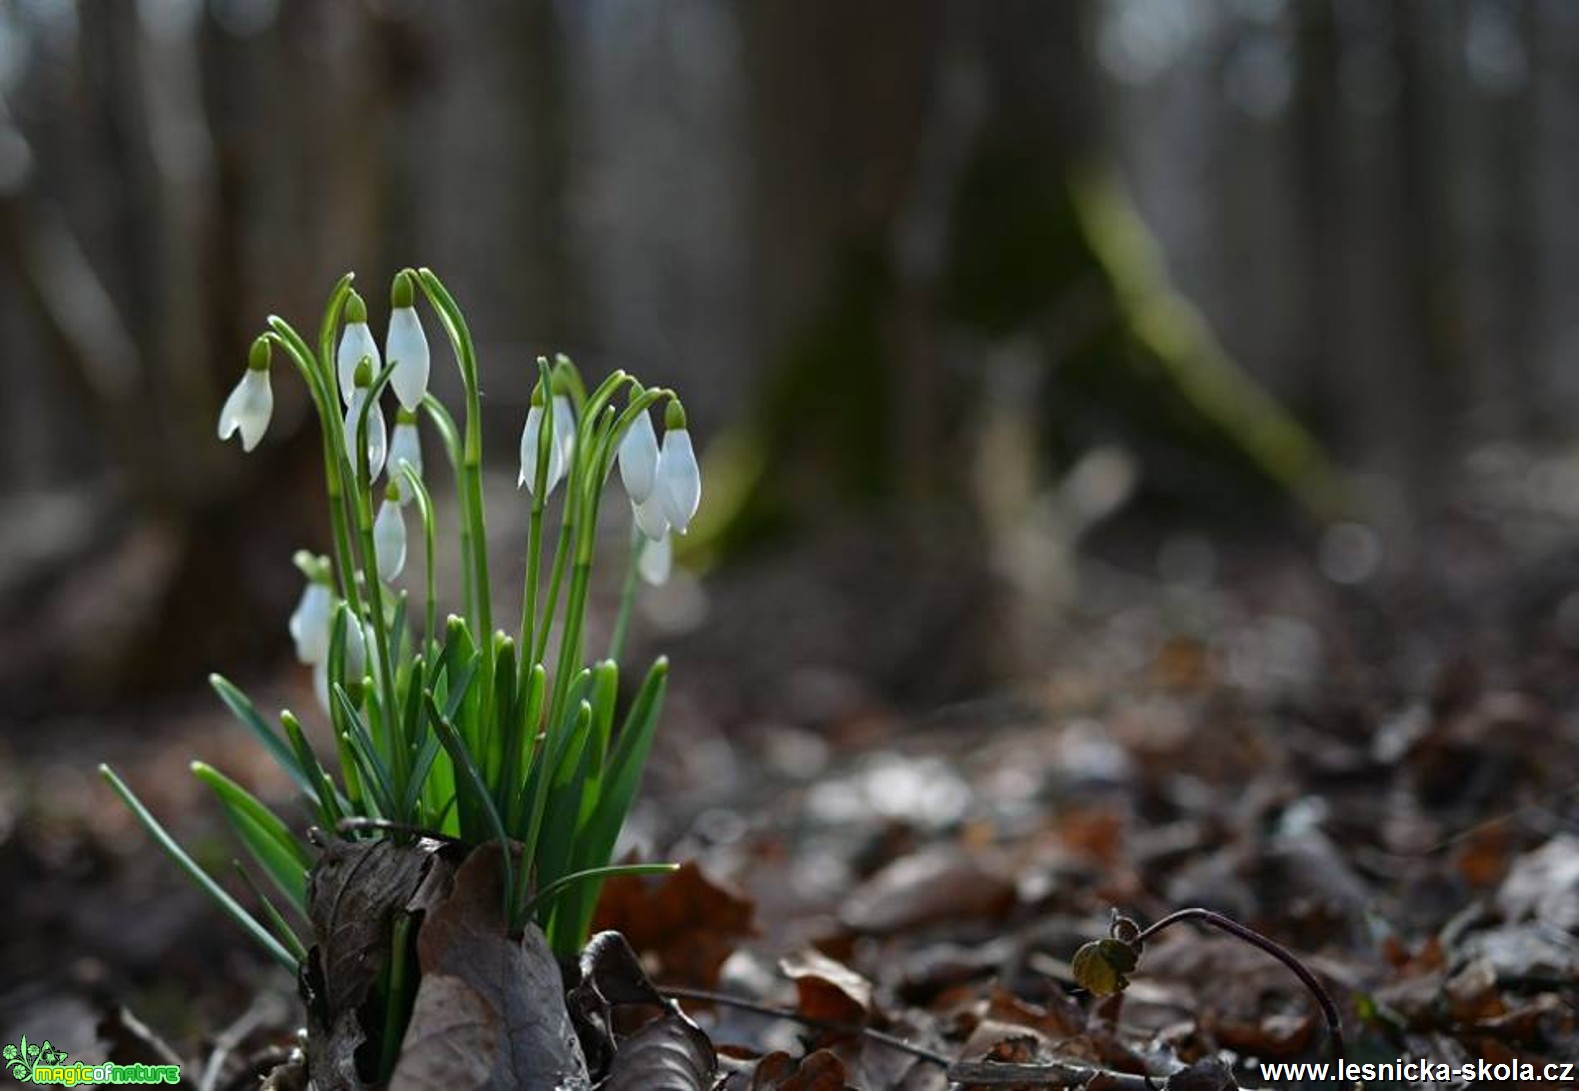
(979, 1073)
(1329, 1009)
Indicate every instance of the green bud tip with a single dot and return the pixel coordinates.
(313, 566)
(674, 414)
(537, 393)
(403, 293)
(392, 491)
(355, 308)
(261, 353)
(405, 416)
(363, 376)
(636, 391)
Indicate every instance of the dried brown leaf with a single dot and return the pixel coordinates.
(688, 922)
(828, 990)
(490, 1013)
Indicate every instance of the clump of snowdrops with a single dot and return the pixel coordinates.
(456, 728)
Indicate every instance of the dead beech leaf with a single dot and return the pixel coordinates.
(941, 882)
(1272, 1038)
(668, 1054)
(353, 893)
(1100, 967)
(686, 921)
(490, 1013)
(828, 990)
(819, 1071)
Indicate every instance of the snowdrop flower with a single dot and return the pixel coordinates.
(406, 346)
(650, 518)
(309, 624)
(405, 446)
(530, 444)
(377, 437)
(358, 643)
(251, 404)
(656, 560)
(321, 684)
(356, 345)
(679, 486)
(638, 456)
(564, 428)
(389, 537)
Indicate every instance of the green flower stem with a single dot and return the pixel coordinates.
(326, 401)
(534, 537)
(622, 620)
(452, 447)
(567, 530)
(471, 454)
(390, 705)
(397, 1004)
(430, 607)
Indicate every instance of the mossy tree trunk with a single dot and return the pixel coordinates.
(937, 192)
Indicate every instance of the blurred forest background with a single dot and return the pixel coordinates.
(913, 264)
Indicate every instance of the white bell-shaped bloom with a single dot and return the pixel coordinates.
(356, 342)
(309, 624)
(321, 684)
(405, 445)
(248, 408)
(679, 479)
(407, 348)
(638, 458)
(564, 428)
(656, 560)
(529, 445)
(377, 437)
(650, 518)
(389, 540)
(357, 642)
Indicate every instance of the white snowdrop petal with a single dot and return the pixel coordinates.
(564, 428)
(679, 479)
(321, 684)
(389, 540)
(309, 624)
(377, 437)
(248, 409)
(405, 445)
(530, 435)
(355, 651)
(650, 518)
(656, 561)
(356, 341)
(407, 348)
(638, 458)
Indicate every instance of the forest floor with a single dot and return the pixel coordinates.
(1380, 778)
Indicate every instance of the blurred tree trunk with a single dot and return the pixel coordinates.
(1321, 215)
(1433, 310)
(1036, 241)
(936, 205)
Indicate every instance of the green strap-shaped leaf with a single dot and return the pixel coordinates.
(283, 858)
(281, 927)
(244, 711)
(202, 878)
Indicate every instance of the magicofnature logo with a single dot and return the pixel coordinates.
(42, 1063)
